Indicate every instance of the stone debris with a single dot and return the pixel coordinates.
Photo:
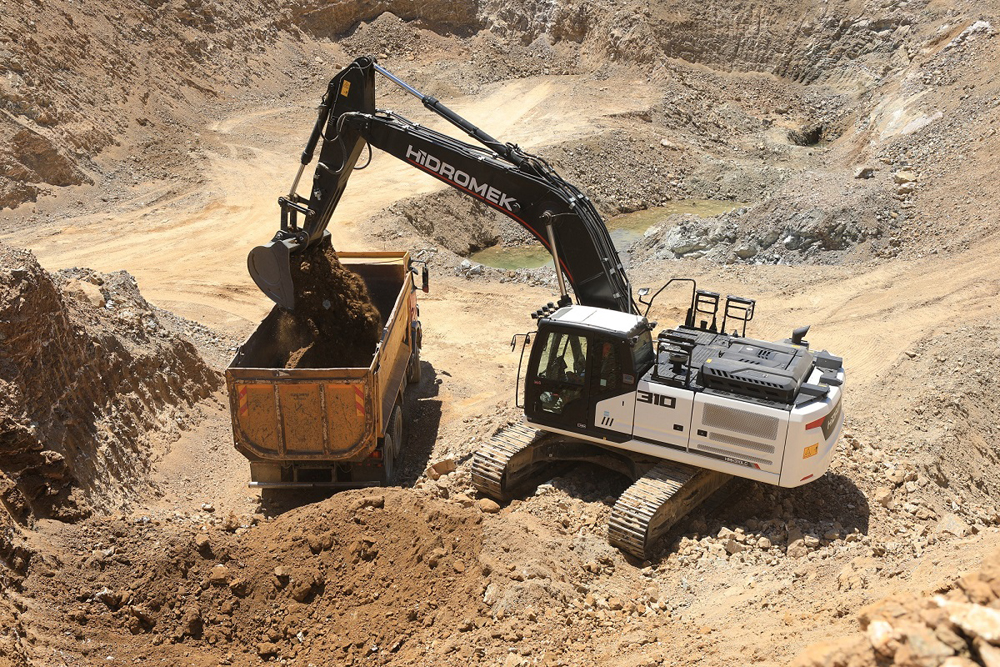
(945, 630)
(219, 575)
(488, 505)
(953, 525)
(419, 575)
(440, 468)
(977, 28)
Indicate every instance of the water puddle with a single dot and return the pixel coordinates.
(514, 257)
(625, 230)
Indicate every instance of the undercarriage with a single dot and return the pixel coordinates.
(518, 458)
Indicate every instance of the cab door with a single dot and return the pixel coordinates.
(612, 389)
(557, 391)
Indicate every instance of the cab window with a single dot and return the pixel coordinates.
(609, 368)
(562, 370)
(642, 353)
(563, 359)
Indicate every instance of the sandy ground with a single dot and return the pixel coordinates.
(192, 245)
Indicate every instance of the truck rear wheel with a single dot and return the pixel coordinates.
(392, 444)
(413, 370)
(388, 461)
(396, 428)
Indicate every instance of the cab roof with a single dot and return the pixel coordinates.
(611, 321)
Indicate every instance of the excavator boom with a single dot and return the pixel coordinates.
(520, 185)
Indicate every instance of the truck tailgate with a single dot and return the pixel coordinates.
(303, 414)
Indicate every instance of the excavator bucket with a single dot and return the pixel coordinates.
(270, 268)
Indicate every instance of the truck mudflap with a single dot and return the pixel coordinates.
(320, 415)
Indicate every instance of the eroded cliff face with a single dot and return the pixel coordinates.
(88, 378)
(81, 80)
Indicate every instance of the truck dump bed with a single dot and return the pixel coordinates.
(325, 426)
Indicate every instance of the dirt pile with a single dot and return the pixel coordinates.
(87, 373)
(30, 161)
(334, 310)
(450, 219)
(365, 575)
(853, 131)
(940, 467)
(958, 627)
(796, 225)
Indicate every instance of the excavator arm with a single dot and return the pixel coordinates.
(519, 185)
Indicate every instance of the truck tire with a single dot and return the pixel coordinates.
(396, 429)
(413, 370)
(388, 461)
(392, 445)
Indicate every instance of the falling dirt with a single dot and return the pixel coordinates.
(334, 310)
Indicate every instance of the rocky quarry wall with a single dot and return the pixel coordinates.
(64, 106)
(88, 375)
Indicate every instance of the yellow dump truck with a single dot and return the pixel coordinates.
(330, 427)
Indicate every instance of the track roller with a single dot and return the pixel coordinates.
(656, 501)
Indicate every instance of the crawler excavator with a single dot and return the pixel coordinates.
(680, 413)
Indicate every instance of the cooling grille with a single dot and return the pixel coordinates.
(741, 421)
(740, 442)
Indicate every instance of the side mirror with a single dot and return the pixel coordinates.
(424, 274)
(643, 291)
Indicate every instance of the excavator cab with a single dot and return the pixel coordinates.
(582, 357)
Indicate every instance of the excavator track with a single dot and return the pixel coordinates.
(520, 457)
(504, 465)
(656, 501)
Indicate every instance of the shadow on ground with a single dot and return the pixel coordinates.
(831, 504)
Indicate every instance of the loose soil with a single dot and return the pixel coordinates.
(335, 310)
(958, 624)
